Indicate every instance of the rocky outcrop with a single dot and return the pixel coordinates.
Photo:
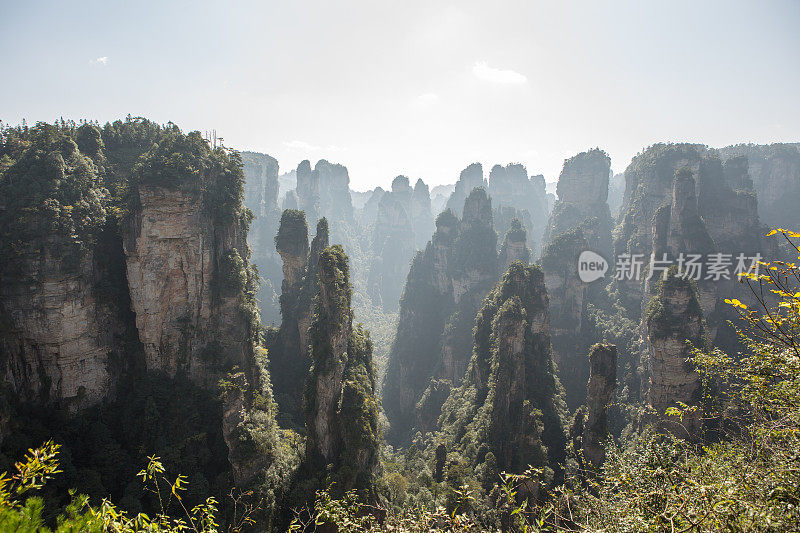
(177, 257)
(288, 348)
(392, 244)
(470, 177)
(335, 202)
(340, 405)
(510, 396)
(568, 299)
(113, 311)
(308, 190)
(515, 246)
(599, 396)
(729, 216)
(583, 201)
(63, 300)
(473, 272)
(421, 214)
(443, 292)
(775, 173)
(673, 317)
(290, 201)
(261, 183)
(261, 197)
(679, 229)
(369, 213)
(60, 333)
(511, 189)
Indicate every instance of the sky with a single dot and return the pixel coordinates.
(415, 88)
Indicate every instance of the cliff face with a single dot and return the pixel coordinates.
(473, 272)
(261, 194)
(58, 342)
(510, 395)
(335, 202)
(422, 214)
(674, 316)
(340, 405)
(729, 217)
(583, 200)
(775, 173)
(60, 334)
(175, 255)
(370, 210)
(443, 292)
(308, 195)
(161, 300)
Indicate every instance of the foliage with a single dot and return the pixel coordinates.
(50, 190)
(292, 237)
(24, 513)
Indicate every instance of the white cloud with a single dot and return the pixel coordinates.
(100, 61)
(300, 146)
(424, 101)
(483, 71)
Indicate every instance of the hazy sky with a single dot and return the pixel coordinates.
(415, 88)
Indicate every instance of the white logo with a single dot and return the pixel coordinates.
(591, 266)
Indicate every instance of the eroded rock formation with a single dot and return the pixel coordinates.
(261, 194)
(340, 405)
(568, 298)
(443, 292)
(599, 396)
(288, 347)
(510, 395)
(163, 299)
(583, 200)
(510, 187)
(673, 317)
(470, 177)
(392, 244)
(775, 173)
(515, 246)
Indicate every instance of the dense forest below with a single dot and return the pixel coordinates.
(192, 340)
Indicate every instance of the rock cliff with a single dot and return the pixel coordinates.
(515, 246)
(161, 299)
(422, 214)
(335, 202)
(393, 244)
